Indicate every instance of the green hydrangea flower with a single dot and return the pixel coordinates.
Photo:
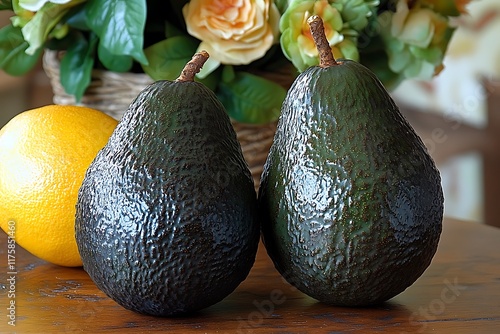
(343, 21)
(416, 40)
(356, 13)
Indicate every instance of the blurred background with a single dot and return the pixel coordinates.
(455, 113)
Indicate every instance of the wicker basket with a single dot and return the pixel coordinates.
(109, 92)
(112, 93)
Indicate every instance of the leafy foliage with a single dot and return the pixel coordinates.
(13, 57)
(76, 66)
(119, 24)
(151, 36)
(168, 57)
(245, 94)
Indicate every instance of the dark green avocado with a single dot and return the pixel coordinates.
(351, 201)
(166, 215)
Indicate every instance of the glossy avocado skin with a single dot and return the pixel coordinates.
(351, 201)
(166, 215)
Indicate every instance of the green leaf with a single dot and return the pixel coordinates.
(168, 57)
(6, 4)
(77, 18)
(76, 67)
(228, 73)
(37, 30)
(119, 25)
(13, 57)
(112, 62)
(172, 31)
(251, 99)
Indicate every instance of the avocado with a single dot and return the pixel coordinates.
(351, 201)
(166, 219)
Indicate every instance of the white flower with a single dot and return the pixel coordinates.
(35, 5)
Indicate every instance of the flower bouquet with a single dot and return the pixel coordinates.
(247, 41)
(256, 47)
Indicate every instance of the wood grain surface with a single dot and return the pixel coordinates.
(459, 293)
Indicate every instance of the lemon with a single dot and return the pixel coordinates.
(44, 154)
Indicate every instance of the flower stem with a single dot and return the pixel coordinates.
(326, 58)
(193, 66)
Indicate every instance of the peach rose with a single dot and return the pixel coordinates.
(233, 32)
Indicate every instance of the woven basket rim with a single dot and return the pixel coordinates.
(52, 62)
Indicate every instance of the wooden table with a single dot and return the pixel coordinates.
(459, 293)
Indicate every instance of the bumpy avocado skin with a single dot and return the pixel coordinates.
(351, 201)
(166, 215)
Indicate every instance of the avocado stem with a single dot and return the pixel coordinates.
(193, 66)
(326, 58)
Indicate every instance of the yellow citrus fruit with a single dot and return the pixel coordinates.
(44, 154)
